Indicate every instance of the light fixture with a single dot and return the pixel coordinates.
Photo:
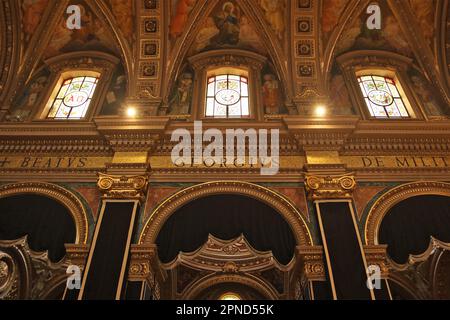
(230, 296)
(320, 111)
(131, 112)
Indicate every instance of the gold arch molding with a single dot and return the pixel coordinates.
(203, 284)
(388, 200)
(57, 193)
(160, 215)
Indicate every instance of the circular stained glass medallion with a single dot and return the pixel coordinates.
(75, 99)
(381, 98)
(228, 97)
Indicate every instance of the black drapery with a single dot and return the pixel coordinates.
(103, 278)
(226, 217)
(344, 251)
(47, 223)
(408, 226)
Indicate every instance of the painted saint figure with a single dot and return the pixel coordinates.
(274, 10)
(271, 94)
(228, 22)
(181, 100)
(180, 19)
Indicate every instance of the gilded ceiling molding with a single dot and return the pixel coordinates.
(388, 200)
(290, 213)
(36, 47)
(57, 193)
(126, 53)
(351, 12)
(419, 45)
(9, 46)
(330, 187)
(443, 45)
(257, 284)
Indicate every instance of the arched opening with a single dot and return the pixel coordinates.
(226, 217)
(47, 223)
(409, 225)
(230, 292)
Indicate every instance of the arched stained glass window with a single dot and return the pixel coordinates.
(382, 97)
(73, 98)
(227, 96)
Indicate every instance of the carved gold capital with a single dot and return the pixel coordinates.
(122, 187)
(377, 256)
(311, 261)
(330, 187)
(144, 264)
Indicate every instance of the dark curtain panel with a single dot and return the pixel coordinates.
(104, 272)
(226, 217)
(47, 223)
(408, 226)
(344, 251)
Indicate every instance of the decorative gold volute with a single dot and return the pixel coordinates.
(330, 187)
(122, 187)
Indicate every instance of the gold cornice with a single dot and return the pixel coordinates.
(311, 262)
(330, 187)
(77, 254)
(382, 206)
(376, 255)
(122, 187)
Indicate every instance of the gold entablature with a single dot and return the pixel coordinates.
(377, 256)
(122, 187)
(330, 187)
(311, 259)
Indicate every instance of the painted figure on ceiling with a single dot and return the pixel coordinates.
(122, 10)
(206, 33)
(32, 15)
(274, 11)
(228, 22)
(180, 102)
(340, 98)
(180, 19)
(424, 13)
(430, 103)
(332, 10)
(248, 35)
(271, 94)
(29, 100)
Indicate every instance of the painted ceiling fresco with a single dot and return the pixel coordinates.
(300, 38)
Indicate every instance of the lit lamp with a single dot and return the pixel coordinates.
(131, 112)
(320, 111)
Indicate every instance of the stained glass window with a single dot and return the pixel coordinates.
(227, 97)
(73, 98)
(382, 97)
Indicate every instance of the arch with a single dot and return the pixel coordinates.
(203, 284)
(102, 10)
(200, 12)
(160, 215)
(59, 194)
(388, 200)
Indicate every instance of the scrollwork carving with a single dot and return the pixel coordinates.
(330, 187)
(122, 187)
